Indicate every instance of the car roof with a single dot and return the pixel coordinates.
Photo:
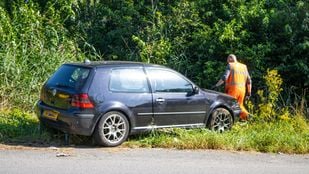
(92, 64)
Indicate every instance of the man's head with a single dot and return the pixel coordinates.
(231, 58)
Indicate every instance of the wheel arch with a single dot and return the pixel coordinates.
(116, 107)
(213, 107)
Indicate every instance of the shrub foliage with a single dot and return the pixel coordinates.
(193, 37)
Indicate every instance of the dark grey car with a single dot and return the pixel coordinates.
(111, 100)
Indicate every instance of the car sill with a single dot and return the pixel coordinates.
(198, 125)
(172, 113)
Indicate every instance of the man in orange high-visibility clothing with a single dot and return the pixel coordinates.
(237, 83)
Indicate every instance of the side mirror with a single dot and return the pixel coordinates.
(195, 90)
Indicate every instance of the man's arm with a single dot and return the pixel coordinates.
(224, 77)
(219, 83)
(248, 84)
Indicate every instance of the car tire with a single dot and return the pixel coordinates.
(221, 120)
(112, 129)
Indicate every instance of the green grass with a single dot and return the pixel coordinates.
(286, 136)
(18, 126)
(282, 136)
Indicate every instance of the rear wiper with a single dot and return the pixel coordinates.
(64, 85)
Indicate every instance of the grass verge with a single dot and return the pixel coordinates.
(282, 136)
(286, 136)
(17, 126)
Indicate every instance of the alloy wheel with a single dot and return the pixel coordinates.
(221, 120)
(114, 128)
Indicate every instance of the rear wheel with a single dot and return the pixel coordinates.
(112, 130)
(221, 120)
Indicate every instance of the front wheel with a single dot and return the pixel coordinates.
(112, 129)
(221, 120)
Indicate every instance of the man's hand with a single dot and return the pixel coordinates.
(219, 83)
(248, 95)
(214, 87)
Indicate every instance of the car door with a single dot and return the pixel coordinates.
(127, 89)
(174, 102)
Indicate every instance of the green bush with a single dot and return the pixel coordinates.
(193, 37)
(16, 123)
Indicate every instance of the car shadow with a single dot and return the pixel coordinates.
(30, 134)
(53, 138)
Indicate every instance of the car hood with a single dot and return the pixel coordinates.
(211, 94)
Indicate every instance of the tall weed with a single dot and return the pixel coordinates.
(271, 105)
(32, 46)
(268, 98)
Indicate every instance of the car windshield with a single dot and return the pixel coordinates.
(68, 76)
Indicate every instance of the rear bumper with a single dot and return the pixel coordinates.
(68, 121)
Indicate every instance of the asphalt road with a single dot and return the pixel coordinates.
(148, 161)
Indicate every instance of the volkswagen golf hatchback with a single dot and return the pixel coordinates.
(111, 100)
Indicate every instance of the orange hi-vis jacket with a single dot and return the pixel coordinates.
(238, 77)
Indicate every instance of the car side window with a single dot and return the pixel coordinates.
(168, 81)
(128, 80)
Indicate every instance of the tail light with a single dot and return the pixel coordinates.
(82, 101)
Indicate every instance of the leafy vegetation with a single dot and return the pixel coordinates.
(32, 45)
(191, 36)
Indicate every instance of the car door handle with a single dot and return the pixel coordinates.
(160, 100)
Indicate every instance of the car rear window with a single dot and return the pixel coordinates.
(69, 76)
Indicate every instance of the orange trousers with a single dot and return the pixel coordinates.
(239, 95)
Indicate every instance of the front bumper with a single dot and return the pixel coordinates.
(236, 113)
(68, 121)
